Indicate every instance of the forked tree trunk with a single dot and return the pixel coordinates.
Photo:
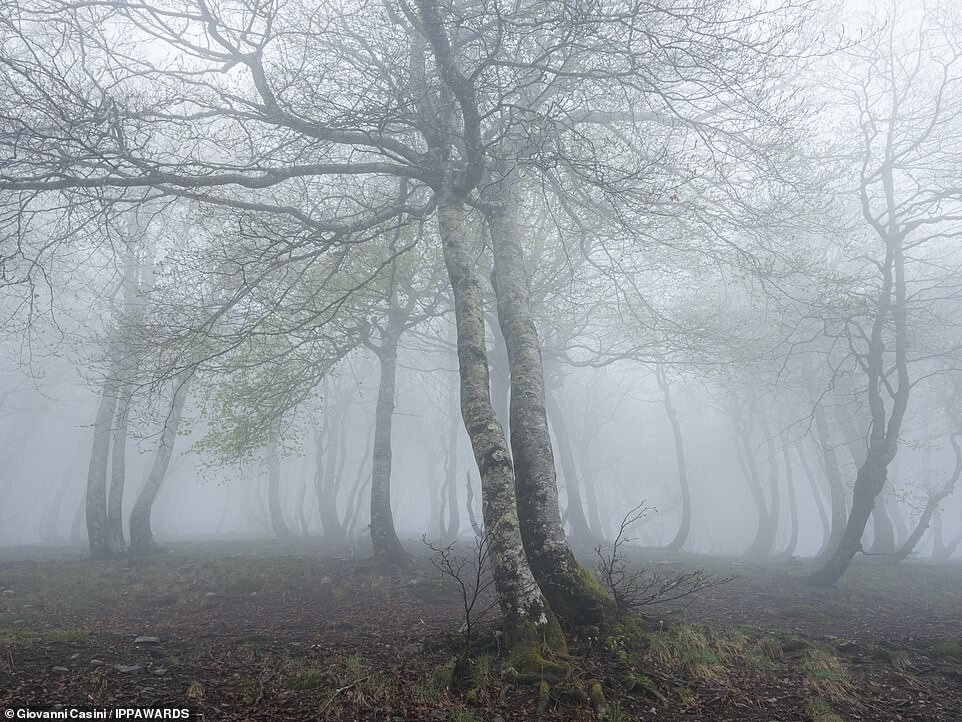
(528, 618)
(141, 535)
(571, 590)
(885, 424)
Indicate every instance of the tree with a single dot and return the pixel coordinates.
(910, 126)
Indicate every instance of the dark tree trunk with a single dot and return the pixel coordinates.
(141, 535)
(581, 533)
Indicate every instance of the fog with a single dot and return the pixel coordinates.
(729, 305)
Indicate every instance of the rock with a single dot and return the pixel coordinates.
(129, 668)
(8, 591)
(415, 648)
(59, 669)
(97, 663)
(74, 656)
(159, 672)
(147, 640)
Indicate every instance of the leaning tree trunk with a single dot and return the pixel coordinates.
(681, 536)
(529, 621)
(571, 589)
(885, 426)
(141, 535)
(761, 545)
(932, 504)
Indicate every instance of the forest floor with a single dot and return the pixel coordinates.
(266, 631)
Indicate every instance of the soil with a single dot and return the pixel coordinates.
(255, 630)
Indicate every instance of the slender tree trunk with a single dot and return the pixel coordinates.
(932, 504)
(275, 510)
(792, 502)
(571, 590)
(387, 546)
(684, 528)
(141, 535)
(528, 618)
(764, 539)
(581, 533)
(450, 522)
(96, 499)
(816, 496)
(885, 427)
(118, 475)
(833, 475)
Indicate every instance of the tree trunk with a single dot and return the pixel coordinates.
(684, 528)
(571, 590)
(274, 509)
(792, 502)
(96, 502)
(836, 488)
(885, 427)
(816, 495)
(764, 539)
(387, 546)
(581, 533)
(141, 535)
(528, 618)
(932, 504)
(118, 475)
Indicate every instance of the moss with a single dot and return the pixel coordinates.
(819, 711)
(530, 665)
(947, 649)
(596, 696)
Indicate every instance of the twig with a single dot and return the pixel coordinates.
(344, 689)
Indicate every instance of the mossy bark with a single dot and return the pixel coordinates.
(552, 560)
(528, 618)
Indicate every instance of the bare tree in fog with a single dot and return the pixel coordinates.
(907, 98)
(301, 121)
